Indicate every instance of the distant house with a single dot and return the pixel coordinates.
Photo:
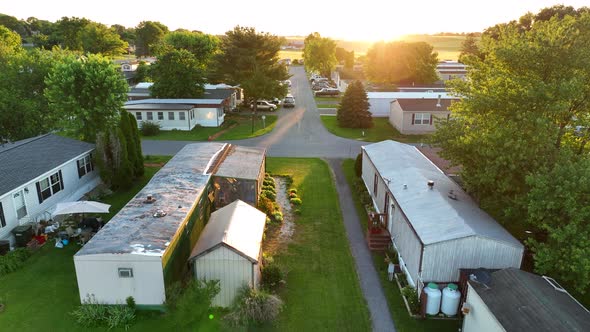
(448, 70)
(230, 250)
(380, 102)
(145, 247)
(416, 116)
(515, 300)
(180, 114)
(39, 172)
(434, 225)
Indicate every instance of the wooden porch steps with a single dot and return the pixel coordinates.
(378, 242)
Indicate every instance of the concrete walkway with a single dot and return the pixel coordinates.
(369, 280)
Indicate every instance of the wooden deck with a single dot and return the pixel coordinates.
(378, 237)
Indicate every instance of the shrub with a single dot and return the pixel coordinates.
(277, 216)
(293, 195)
(193, 304)
(297, 211)
(149, 128)
(271, 277)
(254, 306)
(358, 165)
(295, 201)
(269, 188)
(13, 260)
(269, 182)
(266, 205)
(92, 313)
(292, 191)
(173, 292)
(130, 302)
(269, 194)
(412, 297)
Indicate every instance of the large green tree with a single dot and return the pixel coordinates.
(319, 54)
(177, 74)
(353, 111)
(345, 57)
(251, 60)
(112, 158)
(515, 114)
(148, 34)
(469, 47)
(88, 93)
(99, 39)
(401, 63)
(201, 45)
(67, 32)
(10, 42)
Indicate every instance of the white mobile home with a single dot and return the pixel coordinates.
(39, 172)
(380, 102)
(418, 116)
(229, 250)
(434, 225)
(180, 114)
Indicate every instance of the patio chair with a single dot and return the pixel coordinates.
(73, 234)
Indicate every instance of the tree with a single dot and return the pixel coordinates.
(515, 115)
(345, 57)
(148, 33)
(128, 127)
(201, 45)
(559, 208)
(10, 42)
(126, 34)
(67, 32)
(401, 63)
(319, 53)
(250, 59)
(469, 48)
(177, 74)
(98, 39)
(16, 25)
(142, 73)
(112, 159)
(138, 167)
(88, 93)
(353, 111)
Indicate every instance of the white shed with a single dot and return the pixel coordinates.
(229, 250)
(437, 229)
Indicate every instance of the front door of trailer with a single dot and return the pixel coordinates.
(388, 210)
(20, 205)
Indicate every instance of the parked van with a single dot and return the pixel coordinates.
(289, 101)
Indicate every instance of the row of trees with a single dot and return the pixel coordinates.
(521, 134)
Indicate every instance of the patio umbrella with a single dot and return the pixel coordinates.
(80, 207)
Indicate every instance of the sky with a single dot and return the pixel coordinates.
(369, 20)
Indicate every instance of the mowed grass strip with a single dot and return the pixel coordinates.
(322, 292)
(382, 130)
(403, 321)
(242, 130)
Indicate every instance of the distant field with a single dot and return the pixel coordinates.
(290, 54)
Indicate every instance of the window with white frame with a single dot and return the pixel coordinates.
(85, 165)
(49, 186)
(170, 115)
(138, 115)
(125, 272)
(181, 116)
(150, 115)
(421, 118)
(160, 115)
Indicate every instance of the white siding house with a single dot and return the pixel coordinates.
(229, 250)
(448, 70)
(180, 114)
(39, 172)
(418, 116)
(380, 102)
(435, 229)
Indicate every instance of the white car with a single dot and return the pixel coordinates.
(264, 105)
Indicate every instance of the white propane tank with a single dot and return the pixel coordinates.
(433, 296)
(450, 300)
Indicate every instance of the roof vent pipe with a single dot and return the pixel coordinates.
(430, 184)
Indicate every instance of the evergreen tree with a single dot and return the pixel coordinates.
(138, 169)
(125, 126)
(353, 111)
(112, 160)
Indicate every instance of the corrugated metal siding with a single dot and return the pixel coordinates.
(368, 176)
(407, 244)
(443, 260)
(232, 270)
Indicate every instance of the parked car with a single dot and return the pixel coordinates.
(287, 83)
(289, 101)
(264, 105)
(327, 92)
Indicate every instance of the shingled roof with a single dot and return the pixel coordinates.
(25, 160)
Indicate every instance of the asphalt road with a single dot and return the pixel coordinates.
(298, 133)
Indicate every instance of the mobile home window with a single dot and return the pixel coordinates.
(160, 115)
(49, 186)
(138, 115)
(84, 165)
(422, 118)
(181, 116)
(150, 116)
(170, 115)
(125, 272)
(2, 219)
(375, 185)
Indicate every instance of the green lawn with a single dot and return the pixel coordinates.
(322, 291)
(403, 321)
(327, 105)
(241, 131)
(382, 130)
(327, 100)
